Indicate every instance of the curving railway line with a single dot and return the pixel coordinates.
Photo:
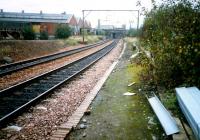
(13, 67)
(14, 100)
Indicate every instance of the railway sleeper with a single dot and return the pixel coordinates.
(35, 90)
(55, 79)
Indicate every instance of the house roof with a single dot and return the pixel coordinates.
(35, 17)
(89, 24)
(77, 19)
(80, 22)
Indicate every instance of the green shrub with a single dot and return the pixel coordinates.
(133, 32)
(100, 32)
(100, 37)
(171, 34)
(63, 31)
(28, 33)
(44, 35)
(84, 31)
(71, 41)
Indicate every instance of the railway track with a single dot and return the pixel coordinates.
(16, 99)
(13, 67)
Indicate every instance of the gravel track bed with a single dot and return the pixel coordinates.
(28, 73)
(43, 119)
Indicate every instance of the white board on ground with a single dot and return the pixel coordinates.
(131, 84)
(13, 128)
(128, 94)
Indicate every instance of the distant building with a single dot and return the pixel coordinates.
(13, 23)
(79, 25)
(106, 27)
(111, 31)
(124, 26)
(87, 25)
(99, 24)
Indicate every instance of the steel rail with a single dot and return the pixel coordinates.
(21, 97)
(13, 67)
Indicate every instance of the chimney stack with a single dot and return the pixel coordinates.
(1, 10)
(99, 23)
(22, 11)
(41, 12)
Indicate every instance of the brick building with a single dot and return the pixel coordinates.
(12, 23)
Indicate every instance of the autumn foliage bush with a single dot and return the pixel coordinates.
(63, 31)
(28, 33)
(44, 35)
(171, 32)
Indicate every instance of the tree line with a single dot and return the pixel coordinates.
(171, 33)
(62, 31)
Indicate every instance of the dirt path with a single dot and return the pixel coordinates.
(115, 116)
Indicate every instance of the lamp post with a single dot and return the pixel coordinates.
(83, 32)
(138, 19)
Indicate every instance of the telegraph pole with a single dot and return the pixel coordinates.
(138, 19)
(83, 29)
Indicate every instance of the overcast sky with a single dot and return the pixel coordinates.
(76, 6)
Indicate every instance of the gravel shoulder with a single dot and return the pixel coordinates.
(40, 121)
